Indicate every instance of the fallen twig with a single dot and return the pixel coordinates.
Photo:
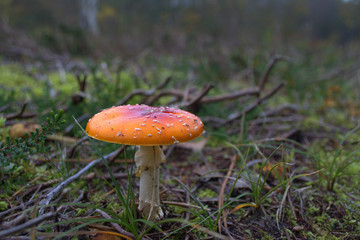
(277, 120)
(28, 224)
(20, 114)
(163, 84)
(16, 221)
(194, 104)
(145, 93)
(255, 104)
(268, 68)
(231, 96)
(9, 211)
(56, 191)
(79, 119)
(219, 122)
(166, 92)
(20, 238)
(283, 109)
(71, 151)
(80, 95)
(116, 154)
(134, 93)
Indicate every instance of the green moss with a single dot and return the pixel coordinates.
(13, 76)
(178, 209)
(80, 211)
(207, 193)
(114, 206)
(68, 87)
(97, 198)
(3, 205)
(312, 209)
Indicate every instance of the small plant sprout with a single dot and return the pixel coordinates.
(147, 127)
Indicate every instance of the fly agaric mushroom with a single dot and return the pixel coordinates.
(147, 127)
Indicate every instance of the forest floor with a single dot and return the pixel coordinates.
(279, 158)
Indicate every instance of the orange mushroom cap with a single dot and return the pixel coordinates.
(144, 125)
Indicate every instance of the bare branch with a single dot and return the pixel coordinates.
(145, 93)
(79, 119)
(71, 151)
(185, 95)
(81, 80)
(134, 93)
(21, 113)
(116, 154)
(201, 95)
(283, 109)
(268, 69)
(231, 96)
(16, 221)
(28, 224)
(9, 211)
(167, 92)
(254, 104)
(163, 84)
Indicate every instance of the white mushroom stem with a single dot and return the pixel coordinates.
(148, 159)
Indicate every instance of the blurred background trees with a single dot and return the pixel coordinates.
(88, 16)
(171, 26)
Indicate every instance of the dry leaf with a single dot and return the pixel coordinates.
(19, 130)
(196, 146)
(277, 171)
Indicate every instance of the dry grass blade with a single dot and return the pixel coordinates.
(116, 226)
(280, 209)
(222, 191)
(242, 206)
(209, 232)
(22, 188)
